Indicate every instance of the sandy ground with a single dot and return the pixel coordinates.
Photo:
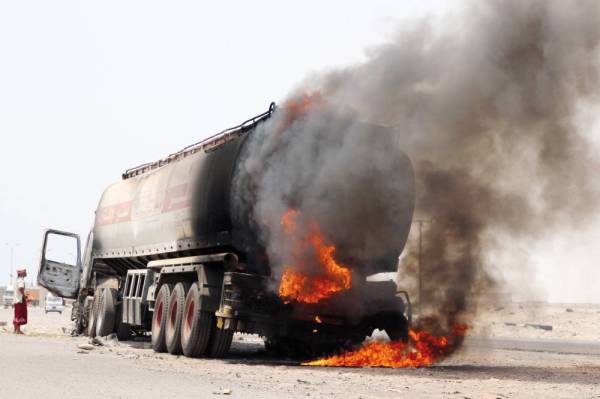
(63, 370)
(51, 324)
(568, 321)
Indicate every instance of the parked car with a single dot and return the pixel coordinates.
(54, 304)
(8, 298)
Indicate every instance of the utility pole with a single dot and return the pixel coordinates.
(420, 223)
(12, 249)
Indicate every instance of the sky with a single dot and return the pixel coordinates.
(89, 89)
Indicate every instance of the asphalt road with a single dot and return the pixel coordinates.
(588, 348)
(35, 367)
(54, 367)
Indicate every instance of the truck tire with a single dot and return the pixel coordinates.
(397, 328)
(159, 318)
(196, 324)
(91, 326)
(175, 317)
(290, 348)
(122, 329)
(220, 341)
(277, 347)
(107, 312)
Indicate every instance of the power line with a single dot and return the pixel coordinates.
(12, 249)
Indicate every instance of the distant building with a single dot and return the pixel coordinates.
(2, 291)
(36, 295)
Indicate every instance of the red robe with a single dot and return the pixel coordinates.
(20, 313)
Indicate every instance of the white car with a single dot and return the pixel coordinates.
(8, 298)
(54, 304)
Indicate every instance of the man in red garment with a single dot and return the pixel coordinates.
(20, 302)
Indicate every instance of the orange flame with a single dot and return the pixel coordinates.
(298, 106)
(288, 220)
(301, 104)
(332, 277)
(422, 350)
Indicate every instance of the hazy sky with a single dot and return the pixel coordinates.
(89, 89)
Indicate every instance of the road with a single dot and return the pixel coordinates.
(559, 346)
(51, 367)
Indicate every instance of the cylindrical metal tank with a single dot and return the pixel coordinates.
(184, 207)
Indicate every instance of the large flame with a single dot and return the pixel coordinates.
(331, 277)
(297, 107)
(422, 350)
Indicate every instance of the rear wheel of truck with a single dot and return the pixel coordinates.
(279, 347)
(292, 348)
(220, 340)
(397, 327)
(107, 312)
(174, 318)
(196, 324)
(91, 326)
(159, 318)
(123, 331)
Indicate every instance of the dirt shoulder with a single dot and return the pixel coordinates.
(539, 320)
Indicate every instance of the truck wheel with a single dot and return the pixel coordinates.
(159, 318)
(91, 327)
(397, 328)
(174, 317)
(107, 312)
(290, 348)
(123, 330)
(220, 341)
(196, 324)
(277, 347)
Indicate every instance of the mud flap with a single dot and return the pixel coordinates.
(210, 284)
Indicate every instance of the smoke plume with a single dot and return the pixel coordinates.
(485, 108)
(347, 177)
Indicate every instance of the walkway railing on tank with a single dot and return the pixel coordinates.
(206, 144)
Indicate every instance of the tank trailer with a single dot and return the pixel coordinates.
(165, 257)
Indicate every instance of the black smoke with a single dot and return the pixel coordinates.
(485, 107)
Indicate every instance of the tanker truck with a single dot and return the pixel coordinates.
(167, 258)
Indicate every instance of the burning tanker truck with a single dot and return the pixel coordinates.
(231, 235)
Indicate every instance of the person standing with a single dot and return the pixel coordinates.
(20, 302)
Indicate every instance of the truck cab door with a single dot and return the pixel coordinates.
(60, 263)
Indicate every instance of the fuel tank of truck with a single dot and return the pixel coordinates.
(186, 205)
